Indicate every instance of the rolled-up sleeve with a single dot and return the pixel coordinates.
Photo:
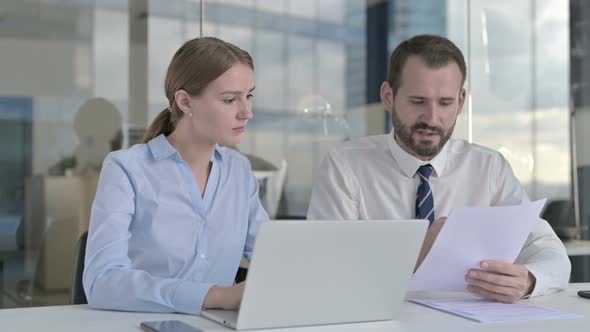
(110, 281)
(543, 254)
(333, 192)
(546, 258)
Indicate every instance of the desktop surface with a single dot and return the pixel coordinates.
(413, 317)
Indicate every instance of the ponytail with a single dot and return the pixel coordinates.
(162, 124)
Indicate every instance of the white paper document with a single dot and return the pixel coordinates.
(489, 311)
(471, 235)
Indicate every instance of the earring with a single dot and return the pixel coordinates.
(190, 114)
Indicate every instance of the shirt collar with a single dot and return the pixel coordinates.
(161, 148)
(410, 164)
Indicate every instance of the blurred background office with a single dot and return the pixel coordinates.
(79, 78)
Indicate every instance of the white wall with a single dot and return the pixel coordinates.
(57, 75)
(60, 76)
(45, 68)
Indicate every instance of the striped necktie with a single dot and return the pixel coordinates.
(424, 198)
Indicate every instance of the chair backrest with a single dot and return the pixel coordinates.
(559, 213)
(77, 295)
(279, 184)
(271, 188)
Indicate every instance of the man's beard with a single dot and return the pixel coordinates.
(404, 133)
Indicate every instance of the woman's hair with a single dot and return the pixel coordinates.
(195, 65)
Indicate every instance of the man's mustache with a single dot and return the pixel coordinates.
(424, 126)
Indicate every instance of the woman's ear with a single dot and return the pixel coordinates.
(183, 101)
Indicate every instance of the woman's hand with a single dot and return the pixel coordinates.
(227, 298)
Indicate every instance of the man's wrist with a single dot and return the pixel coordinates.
(532, 280)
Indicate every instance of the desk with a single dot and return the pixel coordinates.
(412, 318)
(577, 247)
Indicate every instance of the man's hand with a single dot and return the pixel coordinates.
(228, 298)
(501, 281)
(431, 235)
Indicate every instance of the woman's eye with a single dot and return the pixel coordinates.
(229, 101)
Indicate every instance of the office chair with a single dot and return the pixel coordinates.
(559, 214)
(77, 295)
(241, 275)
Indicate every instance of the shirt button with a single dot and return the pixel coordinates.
(203, 256)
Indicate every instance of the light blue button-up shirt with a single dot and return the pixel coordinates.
(154, 244)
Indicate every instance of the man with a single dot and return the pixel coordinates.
(419, 172)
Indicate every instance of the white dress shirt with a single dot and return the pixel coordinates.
(374, 178)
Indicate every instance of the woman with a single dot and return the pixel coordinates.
(173, 217)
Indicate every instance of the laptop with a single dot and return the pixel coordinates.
(326, 272)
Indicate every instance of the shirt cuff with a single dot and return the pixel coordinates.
(189, 297)
(540, 280)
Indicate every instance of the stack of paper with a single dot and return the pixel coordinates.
(489, 311)
(471, 235)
